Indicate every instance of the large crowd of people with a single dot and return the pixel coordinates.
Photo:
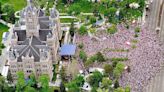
(144, 60)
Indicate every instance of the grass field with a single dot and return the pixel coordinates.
(68, 20)
(3, 28)
(17, 4)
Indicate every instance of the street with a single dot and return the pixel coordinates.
(156, 19)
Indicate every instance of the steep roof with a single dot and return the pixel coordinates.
(30, 47)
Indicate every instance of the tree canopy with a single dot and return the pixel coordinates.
(75, 84)
(9, 9)
(44, 80)
(20, 81)
(95, 79)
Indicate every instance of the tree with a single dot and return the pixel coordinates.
(20, 81)
(29, 89)
(3, 85)
(108, 68)
(63, 74)
(75, 84)
(81, 45)
(95, 78)
(72, 87)
(9, 77)
(92, 30)
(79, 80)
(83, 55)
(32, 81)
(44, 80)
(100, 57)
(72, 29)
(118, 69)
(112, 14)
(74, 9)
(94, 89)
(0, 7)
(137, 29)
(102, 90)
(127, 89)
(92, 19)
(83, 30)
(116, 84)
(7, 8)
(2, 46)
(112, 29)
(64, 1)
(120, 89)
(106, 83)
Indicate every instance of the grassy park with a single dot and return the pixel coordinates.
(17, 5)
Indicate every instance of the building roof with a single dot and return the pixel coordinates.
(30, 47)
(33, 46)
(68, 49)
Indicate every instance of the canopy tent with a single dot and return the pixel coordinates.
(68, 50)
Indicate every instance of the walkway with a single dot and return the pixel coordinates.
(4, 55)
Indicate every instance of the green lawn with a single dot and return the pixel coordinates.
(17, 4)
(3, 28)
(67, 20)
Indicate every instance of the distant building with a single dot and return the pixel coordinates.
(35, 42)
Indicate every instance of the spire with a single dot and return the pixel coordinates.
(29, 2)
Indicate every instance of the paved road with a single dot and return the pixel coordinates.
(153, 15)
(162, 23)
(156, 19)
(4, 55)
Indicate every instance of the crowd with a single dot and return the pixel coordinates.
(144, 60)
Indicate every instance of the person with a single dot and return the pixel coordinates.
(128, 69)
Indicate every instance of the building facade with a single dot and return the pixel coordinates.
(35, 42)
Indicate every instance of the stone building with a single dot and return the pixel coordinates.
(35, 42)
